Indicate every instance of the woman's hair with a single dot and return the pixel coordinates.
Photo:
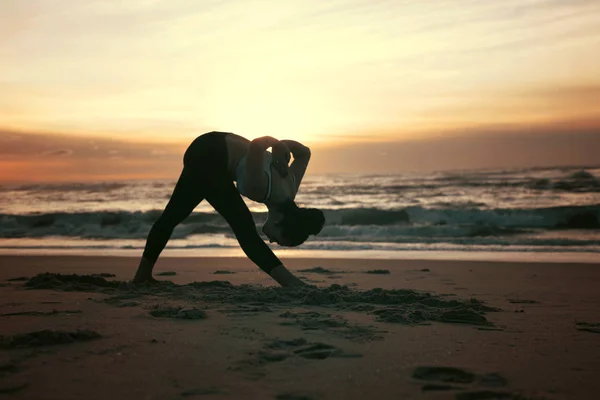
(299, 223)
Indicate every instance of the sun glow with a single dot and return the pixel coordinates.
(321, 72)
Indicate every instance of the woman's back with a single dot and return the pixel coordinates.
(277, 188)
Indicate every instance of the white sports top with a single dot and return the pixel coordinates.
(240, 174)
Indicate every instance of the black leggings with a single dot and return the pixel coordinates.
(205, 176)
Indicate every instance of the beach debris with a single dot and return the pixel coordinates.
(201, 392)
(8, 367)
(463, 315)
(123, 300)
(109, 350)
(47, 337)
(321, 351)
(492, 380)
(104, 275)
(588, 327)
(12, 387)
(318, 270)
(18, 279)
(69, 283)
(379, 271)
(522, 301)
(438, 387)
(8, 382)
(293, 396)
(127, 304)
(178, 312)
(487, 395)
(40, 313)
(246, 309)
(443, 374)
(211, 284)
(440, 378)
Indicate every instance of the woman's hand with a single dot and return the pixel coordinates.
(281, 158)
(285, 278)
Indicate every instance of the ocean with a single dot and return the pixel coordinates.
(540, 214)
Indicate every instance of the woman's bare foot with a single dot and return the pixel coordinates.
(144, 273)
(148, 281)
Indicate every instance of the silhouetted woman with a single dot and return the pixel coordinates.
(210, 165)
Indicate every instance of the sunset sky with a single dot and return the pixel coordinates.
(117, 89)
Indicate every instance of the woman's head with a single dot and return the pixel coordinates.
(294, 225)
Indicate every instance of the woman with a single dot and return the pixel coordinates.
(210, 165)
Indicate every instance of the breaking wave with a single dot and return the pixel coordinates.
(356, 224)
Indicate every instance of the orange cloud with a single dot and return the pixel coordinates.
(50, 157)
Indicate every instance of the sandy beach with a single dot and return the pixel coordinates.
(73, 327)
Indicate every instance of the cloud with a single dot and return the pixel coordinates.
(8, 137)
(518, 106)
(587, 93)
(58, 153)
(54, 157)
(32, 144)
(493, 146)
(496, 148)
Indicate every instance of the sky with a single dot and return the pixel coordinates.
(117, 89)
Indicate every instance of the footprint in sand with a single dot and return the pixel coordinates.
(201, 392)
(9, 383)
(313, 351)
(47, 337)
(487, 395)
(443, 374)
(335, 324)
(318, 351)
(456, 379)
(292, 396)
(280, 350)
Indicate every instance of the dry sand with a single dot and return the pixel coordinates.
(221, 329)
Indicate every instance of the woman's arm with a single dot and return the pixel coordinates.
(256, 181)
(301, 159)
(228, 202)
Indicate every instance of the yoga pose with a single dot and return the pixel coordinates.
(210, 165)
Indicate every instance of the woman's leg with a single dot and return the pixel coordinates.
(226, 200)
(188, 193)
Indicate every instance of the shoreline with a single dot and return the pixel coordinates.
(422, 255)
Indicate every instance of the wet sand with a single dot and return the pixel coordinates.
(73, 327)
